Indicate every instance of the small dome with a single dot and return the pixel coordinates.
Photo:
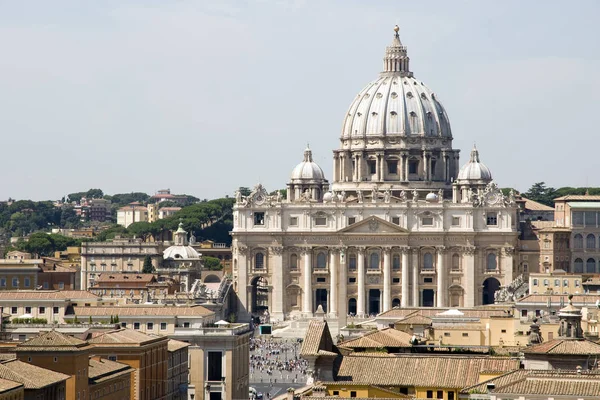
(307, 170)
(474, 170)
(181, 253)
(327, 197)
(432, 198)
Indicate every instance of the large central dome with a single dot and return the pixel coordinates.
(396, 134)
(396, 103)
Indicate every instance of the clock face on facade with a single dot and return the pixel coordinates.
(492, 198)
(259, 199)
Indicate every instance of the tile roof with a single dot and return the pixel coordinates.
(555, 299)
(52, 341)
(578, 197)
(421, 371)
(6, 295)
(566, 347)
(102, 369)
(415, 319)
(476, 312)
(542, 224)
(29, 375)
(126, 337)
(8, 385)
(139, 311)
(174, 345)
(387, 337)
(535, 206)
(317, 338)
(566, 383)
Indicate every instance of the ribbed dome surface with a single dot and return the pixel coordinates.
(180, 253)
(307, 170)
(396, 103)
(474, 170)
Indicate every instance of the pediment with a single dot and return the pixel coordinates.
(373, 225)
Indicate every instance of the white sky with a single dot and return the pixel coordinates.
(205, 96)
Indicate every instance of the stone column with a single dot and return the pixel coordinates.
(406, 168)
(405, 279)
(333, 291)
(441, 278)
(359, 166)
(343, 292)
(307, 297)
(425, 166)
(360, 309)
(342, 167)
(243, 287)
(276, 307)
(336, 169)
(387, 281)
(415, 276)
(469, 271)
(507, 265)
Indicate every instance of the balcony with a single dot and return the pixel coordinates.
(231, 330)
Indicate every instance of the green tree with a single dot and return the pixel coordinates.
(245, 191)
(212, 263)
(141, 230)
(148, 268)
(542, 194)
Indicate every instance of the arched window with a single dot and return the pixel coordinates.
(590, 241)
(491, 262)
(395, 303)
(535, 282)
(294, 261)
(427, 261)
(259, 260)
(321, 260)
(578, 241)
(590, 266)
(352, 307)
(455, 262)
(352, 262)
(374, 261)
(396, 262)
(578, 265)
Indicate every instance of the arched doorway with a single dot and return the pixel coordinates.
(321, 299)
(352, 307)
(260, 296)
(374, 298)
(490, 286)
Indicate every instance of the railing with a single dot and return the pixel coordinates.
(233, 330)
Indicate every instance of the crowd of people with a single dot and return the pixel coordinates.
(276, 361)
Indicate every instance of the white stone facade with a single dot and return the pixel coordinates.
(396, 228)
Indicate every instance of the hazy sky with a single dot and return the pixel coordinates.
(205, 96)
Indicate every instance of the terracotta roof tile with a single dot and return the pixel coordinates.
(103, 369)
(52, 340)
(535, 206)
(423, 371)
(174, 345)
(8, 385)
(125, 336)
(387, 337)
(29, 375)
(415, 319)
(578, 197)
(476, 312)
(317, 338)
(565, 346)
(158, 310)
(45, 295)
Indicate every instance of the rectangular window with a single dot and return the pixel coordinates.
(3, 282)
(413, 166)
(186, 324)
(502, 330)
(259, 218)
(372, 165)
(465, 334)
(396, 220)
(55, 310)
(492, 218)
(61, 285)
(293, 221)
(427, 221)
(163, 326)
(455, 221)
(136, 325)
(45, 285)
(320, 221)
(13, 310)
(392, 167)
(396, 280)
(440, 394)
(447, 334)
(27, 281)
(351, 220)
(523, 313)
(320, 280)
(41, 310)
(577, 217)
(336, 392)
(215, 366)
(123, 324)
(27, 310)
(351, 280)
(450, 395)
(15, 282)
(352, 393)
(430, 394)
(428, 280)
(150, 326)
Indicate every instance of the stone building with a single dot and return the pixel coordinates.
(400, 225)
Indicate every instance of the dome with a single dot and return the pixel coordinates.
(327, 197)
(474, 170)
(396, 103)
(432, 198)
(307, 170)
(181, 253)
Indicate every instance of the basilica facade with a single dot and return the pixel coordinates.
(401, 224)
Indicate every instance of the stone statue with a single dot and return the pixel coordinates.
(278, 197)
(441, 195)
(359, 196)
(306, 195)
(374, 195)
(387, 195)
(403, 195)
(343, 195)
(238, 196)
(415, 194)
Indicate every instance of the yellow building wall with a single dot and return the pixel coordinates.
(344, 391)
(421, 393)
(456, 337)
